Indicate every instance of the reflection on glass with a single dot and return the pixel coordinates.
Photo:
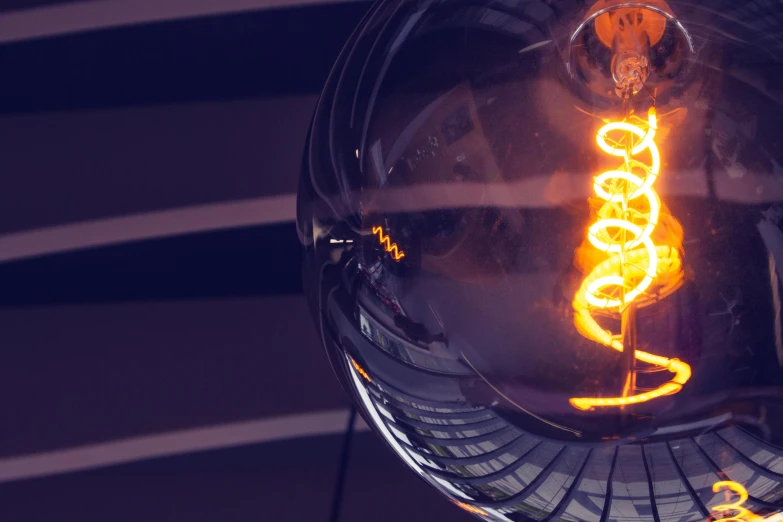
(388, 246)
(543, 247)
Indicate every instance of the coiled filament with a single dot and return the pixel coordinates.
(626, 221)
(385, 242)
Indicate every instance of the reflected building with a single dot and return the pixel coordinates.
(507, 472)
(492, 465)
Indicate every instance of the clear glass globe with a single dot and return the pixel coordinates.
(543, 249)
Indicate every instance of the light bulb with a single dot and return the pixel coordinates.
(542, 248)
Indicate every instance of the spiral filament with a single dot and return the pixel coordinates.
(385, 242)
(626, 221)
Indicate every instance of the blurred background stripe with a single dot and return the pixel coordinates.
(26, 19)
(100, 233)
(159, 445)
(256, 54)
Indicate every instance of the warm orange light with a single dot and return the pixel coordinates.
(639, 20)
(739, 513)
(470, 509)
(387, 244)
(623, 231)
(360, 370)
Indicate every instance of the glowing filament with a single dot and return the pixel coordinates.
(385, 242)
(360, 370)
(740, 513)
(470, 509)
(626, 222)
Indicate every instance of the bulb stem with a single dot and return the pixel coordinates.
(629, 70)
(628, 330)
(628, 323)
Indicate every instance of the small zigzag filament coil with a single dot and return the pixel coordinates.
(385, 242)
(626, 221)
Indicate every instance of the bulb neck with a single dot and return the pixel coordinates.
(630, 70)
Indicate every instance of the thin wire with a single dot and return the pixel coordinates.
(342, 471)
(649, 92)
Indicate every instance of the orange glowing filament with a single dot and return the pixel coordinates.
(385, 242)
(739, 513)
(626, 221)
(360, 370)
(470, 509)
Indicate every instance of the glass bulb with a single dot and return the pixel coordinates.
(543, 249)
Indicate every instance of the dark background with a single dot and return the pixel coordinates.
(144, 338)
